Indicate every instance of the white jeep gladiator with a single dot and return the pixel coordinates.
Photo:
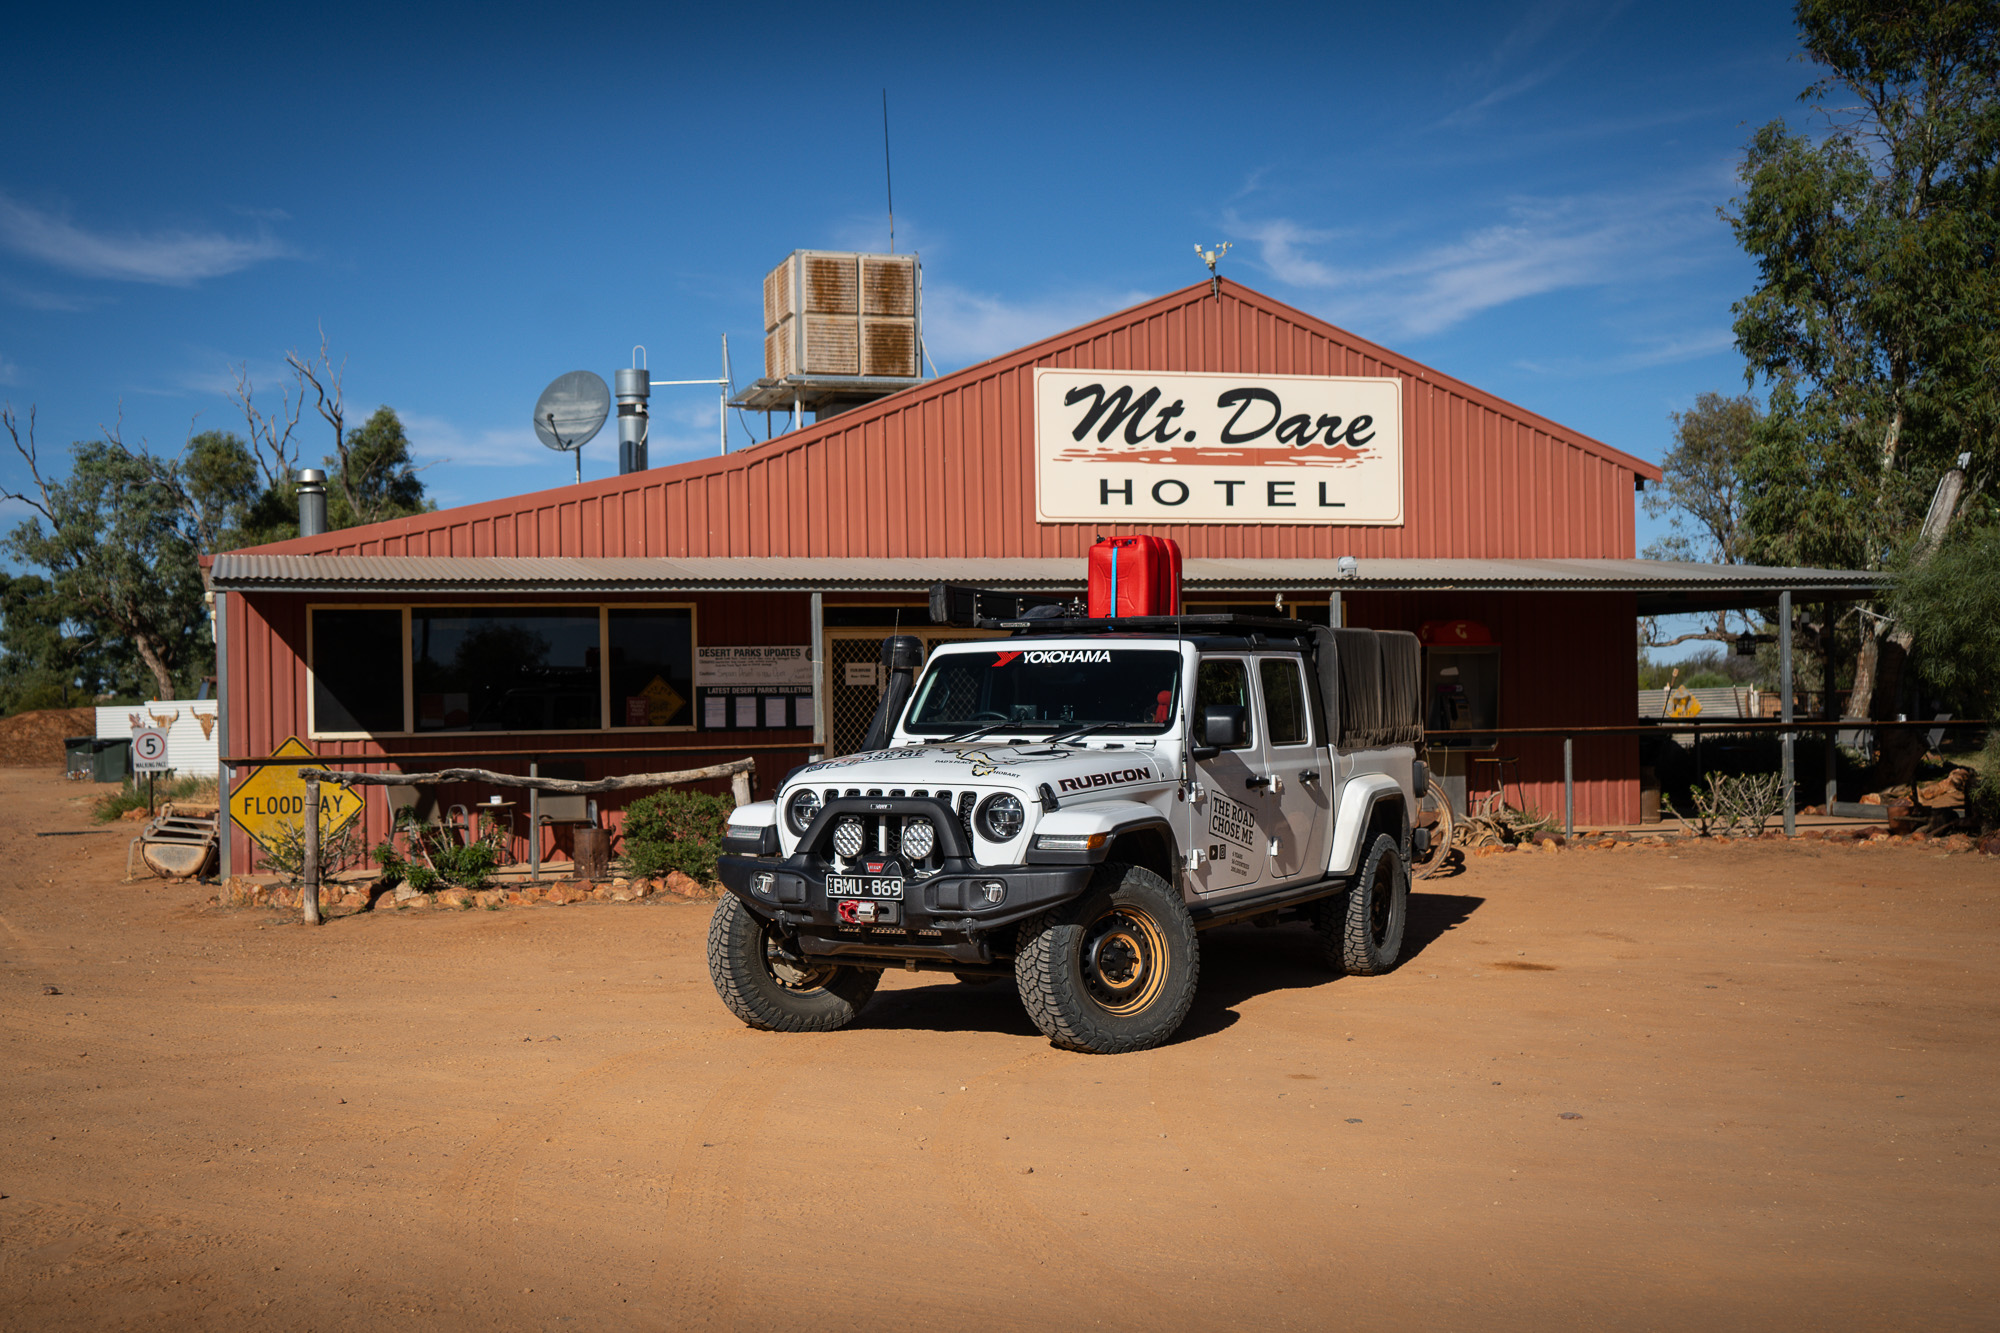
(1069, 806)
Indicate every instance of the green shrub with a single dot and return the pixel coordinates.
(675, 830)
(441, 858)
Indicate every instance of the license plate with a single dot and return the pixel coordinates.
(863, 886)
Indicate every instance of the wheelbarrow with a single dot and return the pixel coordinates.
(178, 843)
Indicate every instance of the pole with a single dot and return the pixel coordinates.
(1569, 788)
(534, 826)
(1785, 707)
(819, 676)
(309, 892)
(722, 401)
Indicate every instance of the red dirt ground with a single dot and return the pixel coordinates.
(1781, 1059)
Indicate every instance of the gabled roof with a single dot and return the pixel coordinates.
(945, 469)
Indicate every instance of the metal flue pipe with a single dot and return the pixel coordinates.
(312, 502)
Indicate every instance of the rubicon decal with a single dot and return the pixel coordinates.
(1115, 778)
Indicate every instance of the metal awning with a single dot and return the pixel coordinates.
(1664, 587)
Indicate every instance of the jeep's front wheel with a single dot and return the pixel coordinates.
(768, 987)
(1114, 971)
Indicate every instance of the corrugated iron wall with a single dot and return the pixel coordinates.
(267, 703)
(948, 469)
(1566, 660)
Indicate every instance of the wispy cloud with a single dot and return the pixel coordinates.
(961, 326)
(436, 440)
(1542, 42)
(1658, 351)
(37, 298)
(173, 258)
(10, 370)
(1536, 245)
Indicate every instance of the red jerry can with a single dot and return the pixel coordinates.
(1135, 576)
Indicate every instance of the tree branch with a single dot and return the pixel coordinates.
(266, 437)
(562, 785)
(12, 422)
(324, 379)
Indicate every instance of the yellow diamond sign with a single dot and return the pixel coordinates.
(662, 701)
(272, 800)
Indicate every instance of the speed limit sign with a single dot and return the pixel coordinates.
(149, 750)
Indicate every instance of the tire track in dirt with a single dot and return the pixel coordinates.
(479, 1197)
(699, 1280)
(984, 1190)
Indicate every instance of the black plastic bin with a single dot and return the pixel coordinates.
(109, 761)
(76, 756)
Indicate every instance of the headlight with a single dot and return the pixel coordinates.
(919, 837)
(799, 811)
(849, 837)
(1001, 817)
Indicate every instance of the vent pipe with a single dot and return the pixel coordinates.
(312, 502)
(634, 387)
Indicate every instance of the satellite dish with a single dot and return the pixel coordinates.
(572, 410)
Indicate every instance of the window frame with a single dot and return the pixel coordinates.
(407, 609)
(1252, 687)
(312, 675)
(1305, 702)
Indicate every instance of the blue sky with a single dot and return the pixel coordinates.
(472, 202)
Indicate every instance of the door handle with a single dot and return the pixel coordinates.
(1310, 775)
(1254, 783)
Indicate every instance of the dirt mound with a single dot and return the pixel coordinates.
(35, 740)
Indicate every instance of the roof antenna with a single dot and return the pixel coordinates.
(888, 182)
(1210, 258)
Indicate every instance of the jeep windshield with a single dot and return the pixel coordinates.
(1047, 690)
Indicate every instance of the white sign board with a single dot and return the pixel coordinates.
(149, 750)
(1212, 448)
(773, 664)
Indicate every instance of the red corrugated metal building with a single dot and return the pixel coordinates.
(824, 538)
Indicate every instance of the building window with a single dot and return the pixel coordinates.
(652, 666)
(528, 670)
(357, 670)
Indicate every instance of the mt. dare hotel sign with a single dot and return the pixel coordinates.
(1207, 448)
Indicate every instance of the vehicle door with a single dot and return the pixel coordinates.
(1222, 816)
(1293, 805)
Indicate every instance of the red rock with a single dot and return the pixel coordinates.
(1959, 842)
(1991, 845)
(683, 884)
(454, 898)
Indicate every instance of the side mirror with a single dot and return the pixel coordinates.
(1224, 726)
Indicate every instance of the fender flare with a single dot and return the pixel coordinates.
(1359, 799)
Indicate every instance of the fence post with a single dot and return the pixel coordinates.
(739, 788)
(534, 825)
(309, 892)
(1785, 703)
(1569, 789)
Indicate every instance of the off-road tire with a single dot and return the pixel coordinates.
(1113, 971)
(1361, 931)
(820, 999)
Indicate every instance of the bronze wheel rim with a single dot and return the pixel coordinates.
(792, 972)
(1124, 960)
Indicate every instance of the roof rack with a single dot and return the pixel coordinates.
(1198, 624)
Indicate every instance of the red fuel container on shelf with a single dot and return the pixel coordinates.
(1135, 576)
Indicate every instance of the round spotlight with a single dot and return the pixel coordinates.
(919, 837)
(799, 811)
(1001, 817)
(849, 837)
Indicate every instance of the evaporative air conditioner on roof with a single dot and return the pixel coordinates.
(830, 312)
